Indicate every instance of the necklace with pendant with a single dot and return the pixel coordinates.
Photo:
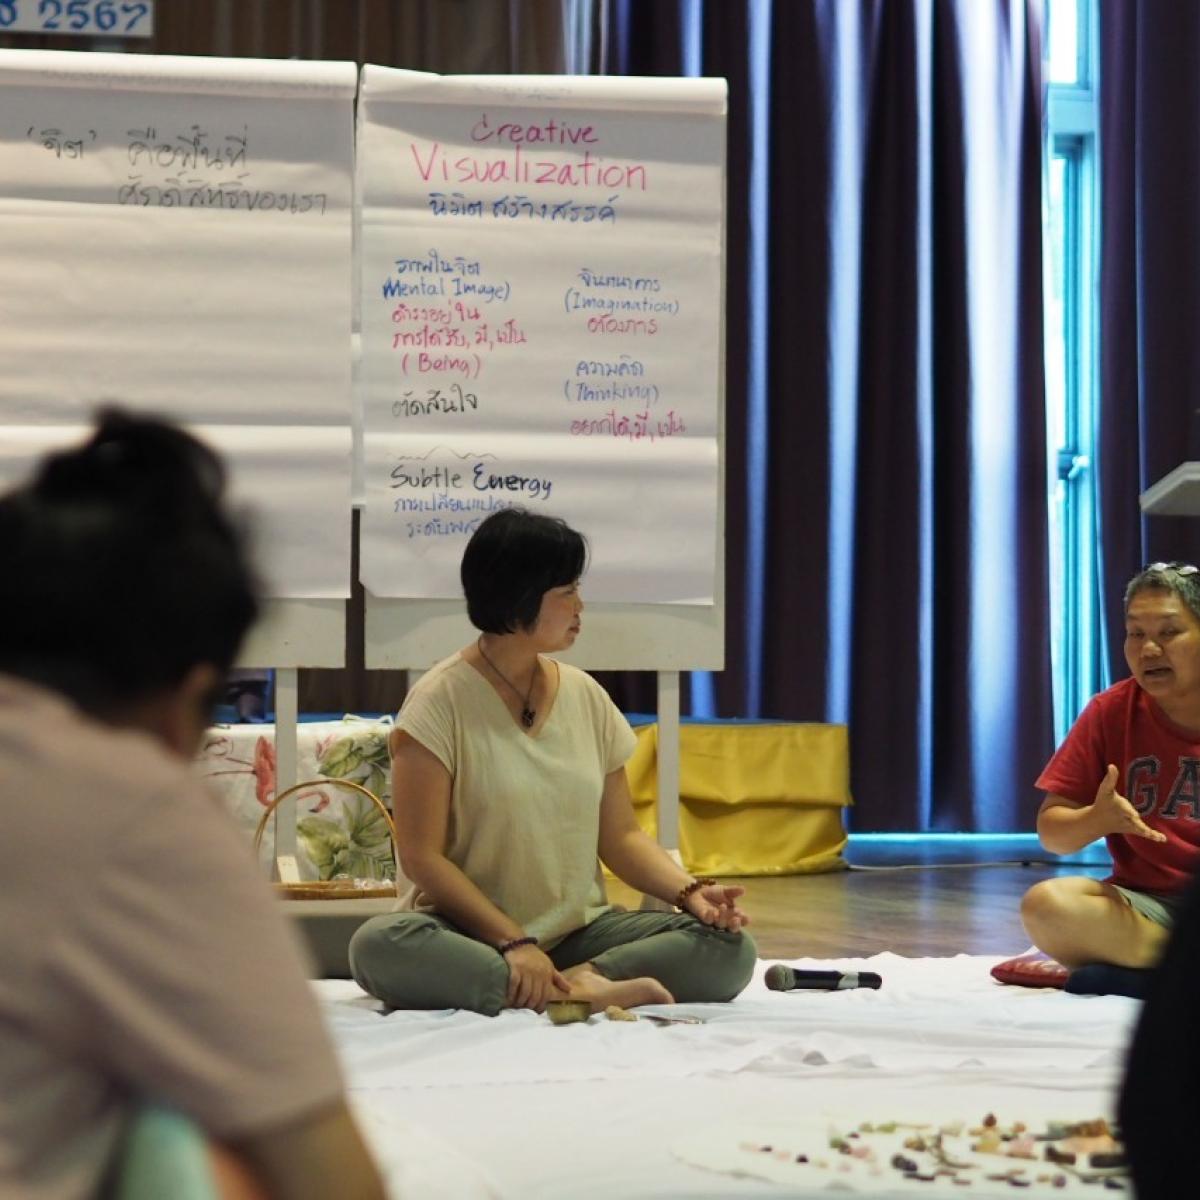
(528, 715)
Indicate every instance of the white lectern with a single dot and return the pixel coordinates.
(1174, 495)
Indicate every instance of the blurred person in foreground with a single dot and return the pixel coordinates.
(145, 964)
(1160, 1098)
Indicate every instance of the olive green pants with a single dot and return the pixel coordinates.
(420, 960)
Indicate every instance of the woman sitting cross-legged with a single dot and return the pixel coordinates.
(509, 788)
(1129, 771)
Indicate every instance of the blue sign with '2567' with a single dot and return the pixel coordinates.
(110, 18)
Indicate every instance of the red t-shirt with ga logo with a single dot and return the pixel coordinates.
(1159, 774)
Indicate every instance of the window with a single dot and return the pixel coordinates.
(1070, 238)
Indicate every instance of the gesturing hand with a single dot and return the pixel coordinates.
(1116, 814)
(716, 905)
(533, 979)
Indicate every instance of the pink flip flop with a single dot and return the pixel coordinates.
(1031, 970)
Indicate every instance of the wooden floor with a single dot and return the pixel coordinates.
(922, 897)
(912, 898)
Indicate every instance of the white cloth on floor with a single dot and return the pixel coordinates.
(521, 1108)
(930, 1014)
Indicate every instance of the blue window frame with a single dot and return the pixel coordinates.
(1071, 238)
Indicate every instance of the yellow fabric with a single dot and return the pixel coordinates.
(760, 839)
(753, 799)
(640, 770)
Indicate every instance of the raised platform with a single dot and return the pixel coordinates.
(756, 798)
(761, 802)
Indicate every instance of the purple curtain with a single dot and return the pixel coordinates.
(886, 473)
(886, 451)
(1149, 285)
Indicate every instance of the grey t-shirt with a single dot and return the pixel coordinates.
(142, 957)
(524, 810)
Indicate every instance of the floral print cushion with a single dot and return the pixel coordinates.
(356, 843)
(338, 831)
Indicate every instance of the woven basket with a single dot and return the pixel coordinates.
(333, 889)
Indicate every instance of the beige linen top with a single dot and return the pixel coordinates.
(140, 955)
(524, 811)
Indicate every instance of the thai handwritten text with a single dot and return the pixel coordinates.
(635, 428)
(59, 144)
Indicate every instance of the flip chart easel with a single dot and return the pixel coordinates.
(176, 237)
(519, 237)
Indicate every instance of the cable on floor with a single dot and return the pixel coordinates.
(1013, 862)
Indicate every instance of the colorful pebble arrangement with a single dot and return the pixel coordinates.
(1087, 1152)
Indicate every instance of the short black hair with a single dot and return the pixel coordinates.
(1182, 578)
(122, 569)
(511, 561)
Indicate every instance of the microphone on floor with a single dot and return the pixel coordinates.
(792, 979)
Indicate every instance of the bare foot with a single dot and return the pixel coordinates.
(588, 984)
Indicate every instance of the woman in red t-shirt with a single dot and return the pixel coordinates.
(1128, 771)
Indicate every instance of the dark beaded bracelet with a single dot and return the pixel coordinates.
(688, 889)
(513, 943)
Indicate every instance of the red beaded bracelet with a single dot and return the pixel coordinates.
(513, 943)
(688, 889)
